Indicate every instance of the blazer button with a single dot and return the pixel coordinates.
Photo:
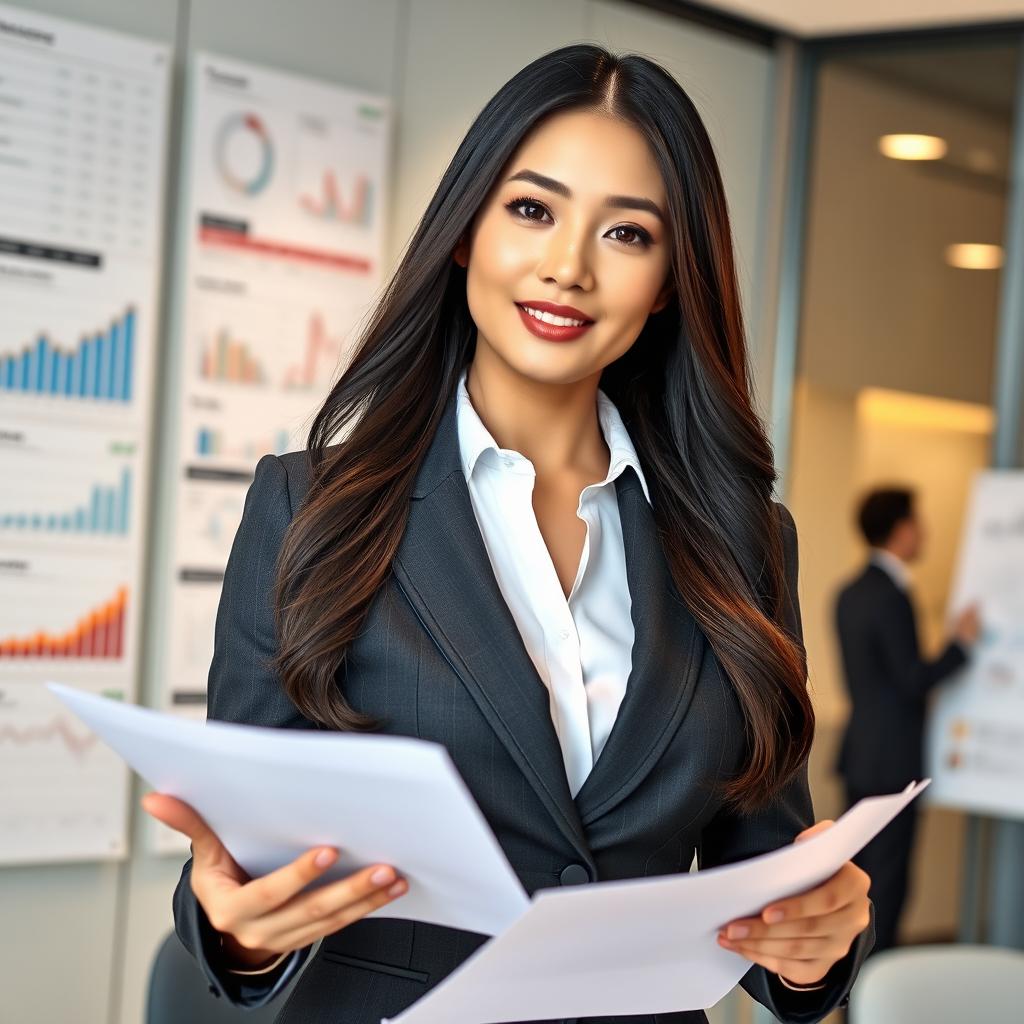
(574, 874)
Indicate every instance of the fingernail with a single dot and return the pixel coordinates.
(738, 931)
(774, 916)
(323, 858)
(398, 888)
(382, 876)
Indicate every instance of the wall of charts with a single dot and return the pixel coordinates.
(286, 178)
(283, 258)
(83, 124)
(976, 749)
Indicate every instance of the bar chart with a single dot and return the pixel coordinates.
(330, 205)
(105, 511)
(98, 634)
(321, 355)
(100, 367)
(213, 442)
(228, 359)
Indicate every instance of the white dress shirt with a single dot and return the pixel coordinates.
(581, 647)
(893, 565)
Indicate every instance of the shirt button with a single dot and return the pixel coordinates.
(574, 874)
(564, 634)
(507, 461)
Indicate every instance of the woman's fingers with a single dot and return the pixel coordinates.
(319, 911)
(847, 885)
(345, 916)
(824, 947)
(820, 826)
(271, 892)
(754, 929)
(183, 818)
(272, 912)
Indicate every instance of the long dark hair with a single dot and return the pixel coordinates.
(683, 390)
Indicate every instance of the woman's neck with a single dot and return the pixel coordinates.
(554, 425)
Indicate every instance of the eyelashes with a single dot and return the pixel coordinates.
(644, 239)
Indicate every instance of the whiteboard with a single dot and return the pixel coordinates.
(976, 732)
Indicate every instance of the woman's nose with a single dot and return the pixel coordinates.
(566, 260)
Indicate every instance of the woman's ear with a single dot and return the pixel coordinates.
(461, 253)
(663, 296)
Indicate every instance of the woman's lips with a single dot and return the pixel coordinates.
(551, 332)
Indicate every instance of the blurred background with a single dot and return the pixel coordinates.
(198, 202)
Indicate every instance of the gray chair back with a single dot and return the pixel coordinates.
(180, 994)
(946, 984)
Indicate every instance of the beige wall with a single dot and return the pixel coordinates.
(880, 305)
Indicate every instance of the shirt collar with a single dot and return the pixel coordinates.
(893, 565)
(475, 438)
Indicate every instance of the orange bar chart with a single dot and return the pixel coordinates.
(98, 634)
(227, 359)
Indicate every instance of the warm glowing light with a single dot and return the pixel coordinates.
(900, 408)
(974, 256)
(912, 147)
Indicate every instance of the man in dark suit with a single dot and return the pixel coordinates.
(888, 681)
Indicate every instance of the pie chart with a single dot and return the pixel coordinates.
(244, 153)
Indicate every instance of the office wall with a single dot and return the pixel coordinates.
(77, 940)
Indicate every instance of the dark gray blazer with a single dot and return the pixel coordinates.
(888, 682)
(440, 657)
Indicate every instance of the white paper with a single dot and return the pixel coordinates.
(270, 794)
(643, 946)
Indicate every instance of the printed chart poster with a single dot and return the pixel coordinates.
(83, 124)
(976, 748)
(286, 184)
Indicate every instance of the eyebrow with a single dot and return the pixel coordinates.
(618, 202)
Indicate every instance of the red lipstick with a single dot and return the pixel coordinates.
(554, 332)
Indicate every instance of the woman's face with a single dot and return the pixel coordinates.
(579, 226)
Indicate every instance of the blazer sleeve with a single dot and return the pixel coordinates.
(908, 673)
(242, 688)
(732, 836)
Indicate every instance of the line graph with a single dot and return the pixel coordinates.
(76, 742)
(63, 783)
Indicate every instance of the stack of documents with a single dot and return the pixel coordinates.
(638, 946)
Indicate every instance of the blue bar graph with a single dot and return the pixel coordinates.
(100, 369)
(104, 512)
(211, 442)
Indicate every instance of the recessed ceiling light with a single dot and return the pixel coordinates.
(912, 147)
(903, 409)
(974, 256)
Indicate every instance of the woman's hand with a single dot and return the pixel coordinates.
(800, 938)
(264, 917)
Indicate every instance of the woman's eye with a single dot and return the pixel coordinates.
(519, 204)
(640, 237)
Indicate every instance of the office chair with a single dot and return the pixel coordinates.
(939, 985)
(180, 994)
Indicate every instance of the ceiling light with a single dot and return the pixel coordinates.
(912, 147)
(904, 409)
(974, 256)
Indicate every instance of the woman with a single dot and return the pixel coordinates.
(546, 540)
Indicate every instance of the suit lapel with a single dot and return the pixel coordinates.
(445, 572)
(667, 653)
(443, 567)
